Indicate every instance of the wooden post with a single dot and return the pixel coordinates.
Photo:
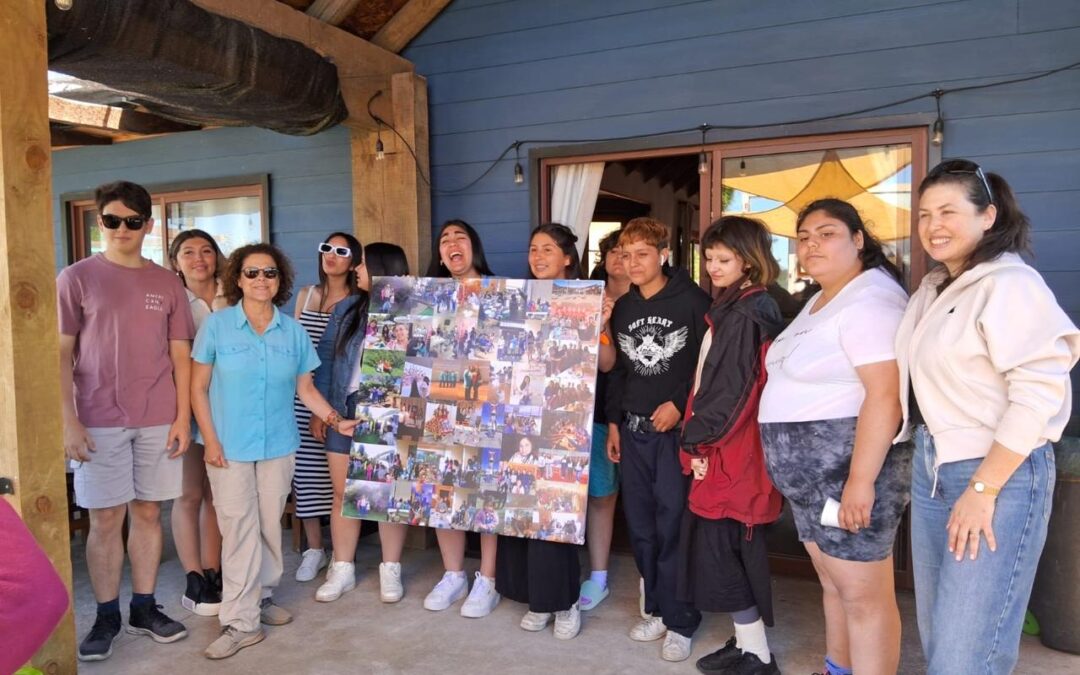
(391, 196)
(31, 437)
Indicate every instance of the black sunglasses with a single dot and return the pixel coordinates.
(964, 167)
(339, 251)
(253, 272)
(112, 222)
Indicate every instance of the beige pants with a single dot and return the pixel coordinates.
(249, 498)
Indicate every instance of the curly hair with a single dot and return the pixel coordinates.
(231, 278)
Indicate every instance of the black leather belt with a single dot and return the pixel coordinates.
(639, 423)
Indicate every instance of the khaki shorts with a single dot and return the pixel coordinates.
(127, 464)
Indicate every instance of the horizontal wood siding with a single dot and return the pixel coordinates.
(310, 178)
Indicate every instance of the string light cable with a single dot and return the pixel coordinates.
(936, 94)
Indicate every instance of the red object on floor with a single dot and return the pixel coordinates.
(32, 595)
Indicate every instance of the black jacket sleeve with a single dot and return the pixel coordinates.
(727, 380)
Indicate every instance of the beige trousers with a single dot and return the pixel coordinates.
(249, 498)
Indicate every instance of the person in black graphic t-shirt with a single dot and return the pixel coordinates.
(656, 331)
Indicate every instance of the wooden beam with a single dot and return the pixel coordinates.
(332, 12)
(111, 118)
(391, 198)
(400, 30)
(65, 138)
(31, 442)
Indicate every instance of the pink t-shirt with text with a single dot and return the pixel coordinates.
(123, 318)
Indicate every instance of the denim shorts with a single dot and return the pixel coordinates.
(603, 473)
(335, 442)
(809, 462)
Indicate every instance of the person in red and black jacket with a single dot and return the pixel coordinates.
(723, 561)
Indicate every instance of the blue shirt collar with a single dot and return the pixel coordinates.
(240, 319)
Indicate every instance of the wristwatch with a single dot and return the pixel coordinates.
(984, 488)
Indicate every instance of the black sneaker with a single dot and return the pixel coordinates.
(749, 664)
(97, 645)
(200, 597)
(213, 580)
(148, 620)
(721, 658)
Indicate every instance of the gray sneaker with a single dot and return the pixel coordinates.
(231, 641)
(273, 615)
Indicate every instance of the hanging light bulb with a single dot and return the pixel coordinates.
(379, 153)
(742, 167)
(938, 135)
(519, 173)
(64, 5)
(703, 157)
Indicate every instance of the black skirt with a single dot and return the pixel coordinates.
(543, 574)
(723, 566)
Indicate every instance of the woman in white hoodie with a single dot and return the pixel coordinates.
(984, 352)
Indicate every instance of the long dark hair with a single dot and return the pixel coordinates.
(178, 241)
(350, 279)
(1011, 231)
(749, 239)
(566, 240)
(873, 253)
(479, 260)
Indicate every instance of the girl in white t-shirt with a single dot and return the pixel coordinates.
(828, 414)
(197, 260)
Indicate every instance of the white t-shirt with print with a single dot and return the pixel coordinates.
(811, 365)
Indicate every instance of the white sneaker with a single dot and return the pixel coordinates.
(535, 621)
(648, 630)
(313, 560)
(482, 598)
(676, 647)
(390, 588)
(451, 588)
(568, 623)
(340, 578)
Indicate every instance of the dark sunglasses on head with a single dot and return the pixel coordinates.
(252, 272)
(964, 167)
(112, 222)
(339, 251)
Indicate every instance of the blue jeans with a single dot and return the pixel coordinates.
(971, 612)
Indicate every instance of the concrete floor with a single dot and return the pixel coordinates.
(359, 634)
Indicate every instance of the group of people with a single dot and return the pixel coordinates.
(709, 414)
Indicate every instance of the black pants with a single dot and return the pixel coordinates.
(654, 497)
(543, 574)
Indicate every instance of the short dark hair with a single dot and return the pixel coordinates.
(566, 240)
(230, 280)
(480, 263)
(750, 240)
(385, 260)
(873, 253)
(607, 244)
(178, 241)
(1011, 231)
(131, 195)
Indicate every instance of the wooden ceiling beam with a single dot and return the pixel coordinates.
(332, 12)
(400, 30)
(110, 118)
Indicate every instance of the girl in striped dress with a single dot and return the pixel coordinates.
(340, 254)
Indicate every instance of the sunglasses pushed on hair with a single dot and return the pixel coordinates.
(339, 251)
(112, 222)
(253, 272)
(963, 167)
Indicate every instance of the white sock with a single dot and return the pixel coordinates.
(750, 637)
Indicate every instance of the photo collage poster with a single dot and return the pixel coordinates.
(476, 406)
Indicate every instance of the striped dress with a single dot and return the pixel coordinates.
(311, 478)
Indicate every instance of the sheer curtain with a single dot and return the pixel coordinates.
(573, 197)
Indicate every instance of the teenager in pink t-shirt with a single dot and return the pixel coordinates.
(125, 369)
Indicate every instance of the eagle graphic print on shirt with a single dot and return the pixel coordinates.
(650, 346)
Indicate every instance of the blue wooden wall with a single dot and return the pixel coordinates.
(504, 70)
(310, 178)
